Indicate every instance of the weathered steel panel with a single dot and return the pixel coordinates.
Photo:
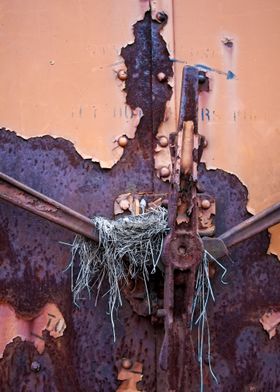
(33, 264)
(32, 259)
(240, 115)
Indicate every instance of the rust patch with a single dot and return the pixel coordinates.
(241, 351)
(33, 262)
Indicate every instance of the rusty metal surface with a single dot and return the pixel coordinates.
(261, 221)
(239, 115)
(67, 74)
(33, 262)
(182, 251)
(35, 202)
(243, 355)
(218, 247)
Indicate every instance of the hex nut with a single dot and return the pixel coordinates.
(122, 141)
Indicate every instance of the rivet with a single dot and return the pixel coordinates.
(124, 204)
(122, 74)
(205, 143)
(161, 16)
(52, 62)
(126, 363)
(35, 366)
(122, 141)
(205, 204)
(161, 77)
(164, 172)
(163, 141)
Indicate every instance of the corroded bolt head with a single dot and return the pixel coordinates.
(201, 78)
(205, 204)
(126, 363)
(122, 141)
(163, 141)
(122, 74)
(124, 204)
(182, 251)
(161, 16)
(164, 172)
(35, 366)
(161, 77)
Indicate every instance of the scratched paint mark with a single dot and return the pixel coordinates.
(229, 74)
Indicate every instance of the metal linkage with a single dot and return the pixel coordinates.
(183, 247)
(35, 202)
(218, 247)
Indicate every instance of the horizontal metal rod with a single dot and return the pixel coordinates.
(35, 202)
(254, 225)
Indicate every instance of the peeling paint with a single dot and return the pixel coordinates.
(239, 117)
(68, 86)
(13, 325)
(270, 321)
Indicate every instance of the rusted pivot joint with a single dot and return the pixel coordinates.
(183, 248)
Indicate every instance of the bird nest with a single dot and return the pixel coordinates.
(128, 247)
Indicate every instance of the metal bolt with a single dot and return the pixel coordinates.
(122, 74)
(161, 16)
(122, 141)
(164, 172)
(126, 363)
(161, 77)
(205, 204)
(182, 250)
(201, 78)
(35, 366)
(124, 204)
(228, 42)
(163, 141)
